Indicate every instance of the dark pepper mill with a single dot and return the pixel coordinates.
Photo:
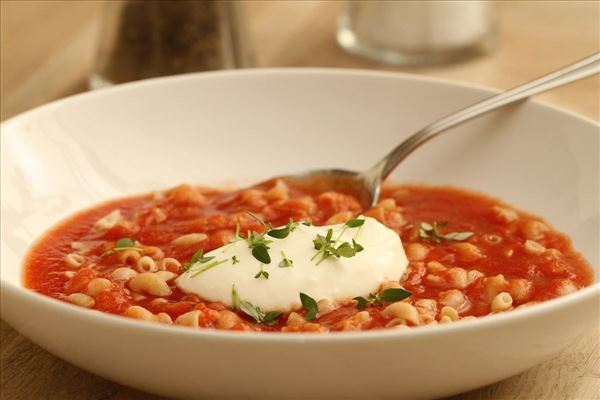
(146, 39)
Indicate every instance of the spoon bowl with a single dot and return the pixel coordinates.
(359, 185)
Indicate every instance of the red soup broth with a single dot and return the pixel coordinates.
(511, 260)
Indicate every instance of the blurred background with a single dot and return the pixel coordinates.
(50, 49)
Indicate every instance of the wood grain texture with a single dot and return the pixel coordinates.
(47, 52)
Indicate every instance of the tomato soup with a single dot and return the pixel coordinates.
(468, 256)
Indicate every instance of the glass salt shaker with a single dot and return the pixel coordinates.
(146, 39)
(417, 32)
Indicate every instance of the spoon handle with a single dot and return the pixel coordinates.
(579, 70)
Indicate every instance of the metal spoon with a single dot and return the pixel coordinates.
(366, 186)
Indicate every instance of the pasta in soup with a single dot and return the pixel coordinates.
(276, 258)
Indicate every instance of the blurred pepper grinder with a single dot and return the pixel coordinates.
(145, 39)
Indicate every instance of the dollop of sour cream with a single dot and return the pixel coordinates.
(382, 259)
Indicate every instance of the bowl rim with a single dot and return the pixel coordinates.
(10, 289)
(489, 90)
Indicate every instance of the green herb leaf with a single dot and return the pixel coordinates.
(355, 223)
(357, 246)
(125, 242)
(257, 239)
(361, 302)
(310, 305)
(319, 242)
(286, 262)
(270, 318)
(390, 295)
(307, 223)
(248, 308)
(329, 234)
(259, 246)
(197, 257)
(432, 231)
(346, 250)
(326, 247)
(261, 274)
(122, 245)
(395, 294)
(261, 254)
(234, 260)
(281, 233)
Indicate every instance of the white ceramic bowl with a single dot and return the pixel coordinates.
(248, 125)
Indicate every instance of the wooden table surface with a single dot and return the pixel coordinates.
(47, 50)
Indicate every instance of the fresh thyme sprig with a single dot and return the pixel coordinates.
(257, 241)
(327, 247)
(267, 318)
(355, 223)
(310, 305)
(260, 247)
(124, 242)
(198, 256)
(390, 295)
(282, 233)
(432, 232)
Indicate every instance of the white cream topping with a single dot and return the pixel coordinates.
(382, 259)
